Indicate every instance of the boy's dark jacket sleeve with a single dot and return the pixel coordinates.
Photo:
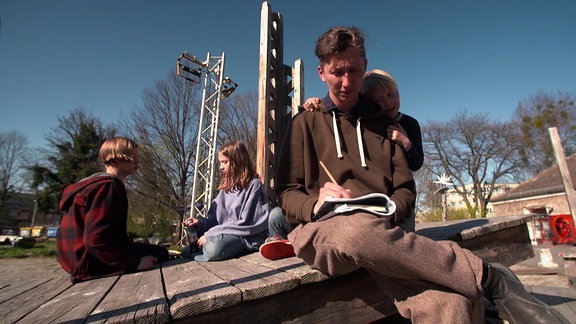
(415, 155)
(93, 239)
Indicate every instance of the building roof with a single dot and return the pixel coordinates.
(546, 182)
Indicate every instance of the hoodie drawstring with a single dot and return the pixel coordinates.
(360, 144)
(336, 135)
(358, 136)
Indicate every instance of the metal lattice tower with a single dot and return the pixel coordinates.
(215, 88)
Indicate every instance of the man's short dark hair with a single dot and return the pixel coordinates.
(337, 40)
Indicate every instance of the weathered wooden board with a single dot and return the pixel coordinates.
(499, 239)
(191, 289)
(250, 288)
(74, 304)
(13, 288)
(253, 280)
(349, 299)
(27, 301)
(294, 266)
(466, 229)
(136, 297)
(507, 246)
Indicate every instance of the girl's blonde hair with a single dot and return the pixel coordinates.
(375, 80)
(241, 170)
(117, 149)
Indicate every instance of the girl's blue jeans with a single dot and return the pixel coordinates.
(221, 247)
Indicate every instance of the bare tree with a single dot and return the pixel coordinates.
(428, 202)
(472, 150)
(13, 159)
(239, 120)
(166, 127)
(534, 116)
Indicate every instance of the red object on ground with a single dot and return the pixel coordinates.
(562, 229)
(277, 249)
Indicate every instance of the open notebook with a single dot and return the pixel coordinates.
(378, 204)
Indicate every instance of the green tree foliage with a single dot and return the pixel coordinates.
(534, 116)
(147, 217)
(73, 155)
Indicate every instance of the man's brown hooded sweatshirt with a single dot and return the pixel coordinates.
(355, 148)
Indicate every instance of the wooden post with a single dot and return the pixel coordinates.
(275, 106)
(444, 206)
(297, 85)
(264, 59)
(564, 173)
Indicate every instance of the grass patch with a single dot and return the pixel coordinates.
(42, 248)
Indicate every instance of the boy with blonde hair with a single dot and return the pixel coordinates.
(93, 241)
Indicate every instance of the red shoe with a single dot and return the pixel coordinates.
(274, 249)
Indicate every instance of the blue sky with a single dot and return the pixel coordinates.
(447, 56)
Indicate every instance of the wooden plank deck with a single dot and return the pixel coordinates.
(252, 288)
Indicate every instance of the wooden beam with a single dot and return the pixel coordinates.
(262, 142)
(564, 173)
(276, 82)
(298, 85)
